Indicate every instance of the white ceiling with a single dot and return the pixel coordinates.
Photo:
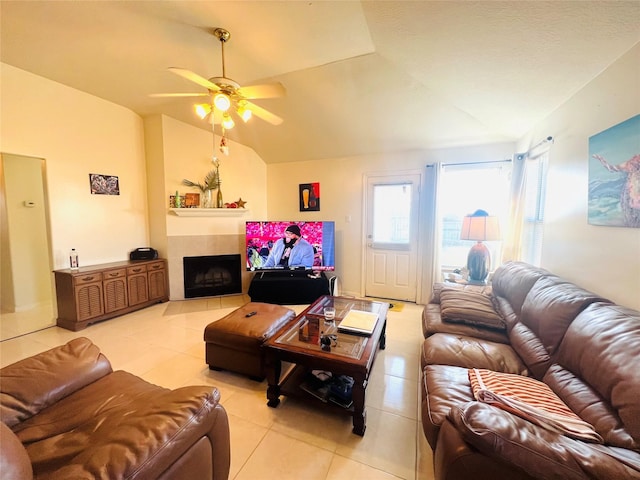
(361, 77)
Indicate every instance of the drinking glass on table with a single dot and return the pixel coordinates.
(329, 315)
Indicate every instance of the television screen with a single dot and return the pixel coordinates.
(290, 245)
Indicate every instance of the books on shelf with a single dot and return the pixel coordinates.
(359, 322)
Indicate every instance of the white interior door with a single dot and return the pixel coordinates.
(391, 227)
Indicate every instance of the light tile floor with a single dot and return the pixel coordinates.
(164, 345)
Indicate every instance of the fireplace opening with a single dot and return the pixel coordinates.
(212, 275)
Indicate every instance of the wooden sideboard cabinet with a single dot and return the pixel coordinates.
(99, 292)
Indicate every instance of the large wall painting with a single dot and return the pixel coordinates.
(614, 175)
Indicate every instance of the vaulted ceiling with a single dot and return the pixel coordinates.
(361, 77)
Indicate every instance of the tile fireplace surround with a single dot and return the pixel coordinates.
(197, 245)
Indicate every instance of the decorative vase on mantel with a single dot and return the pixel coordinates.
(207, 199)
(219, 202)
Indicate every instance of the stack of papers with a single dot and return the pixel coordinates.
(359, 322)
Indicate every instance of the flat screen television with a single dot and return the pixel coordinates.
(269, 245)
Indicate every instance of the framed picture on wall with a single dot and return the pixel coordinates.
(614, 175)
(309, 197)
(104, 184)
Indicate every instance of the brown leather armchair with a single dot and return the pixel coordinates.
(66, 414)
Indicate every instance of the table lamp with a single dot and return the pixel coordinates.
(479, 226)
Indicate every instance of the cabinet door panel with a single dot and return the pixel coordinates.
(138, 292)
(115, 294)
(89, 302)
(157, 284)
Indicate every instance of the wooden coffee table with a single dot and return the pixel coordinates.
(297, 343)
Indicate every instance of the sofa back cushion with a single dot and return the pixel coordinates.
(512, 282)
(548, 310)
(597, 372)
(550, 307)
(35, 383)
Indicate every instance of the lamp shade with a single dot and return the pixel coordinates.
(480, 226)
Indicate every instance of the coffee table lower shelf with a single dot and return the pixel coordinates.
(293, 376)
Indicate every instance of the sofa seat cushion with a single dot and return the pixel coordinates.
(470, 308)
(120, 426)
(469, 352)
(443, 387)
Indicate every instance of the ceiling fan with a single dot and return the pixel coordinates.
(227, 95)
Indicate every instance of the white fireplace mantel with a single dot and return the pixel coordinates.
(209, 212)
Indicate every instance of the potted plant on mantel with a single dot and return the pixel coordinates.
(211, 182)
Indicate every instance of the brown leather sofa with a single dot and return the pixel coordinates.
(586, 348)
(67, 415)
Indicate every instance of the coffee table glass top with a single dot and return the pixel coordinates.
(308, 328)
(343, 305)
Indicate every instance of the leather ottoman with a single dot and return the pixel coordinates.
(234, 342)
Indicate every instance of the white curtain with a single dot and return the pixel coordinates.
(523, 237)
(432, 264)
(512, 235)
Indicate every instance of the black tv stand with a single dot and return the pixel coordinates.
(288, 287)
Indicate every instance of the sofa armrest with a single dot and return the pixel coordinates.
(33, 384)
(540, 452)
(14, 460)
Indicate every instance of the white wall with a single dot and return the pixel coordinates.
(176, 151)
(187, 153)
(605, 260)
(78, 134)
(342, 200)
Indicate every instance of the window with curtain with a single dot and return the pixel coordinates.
(534, 195)
(463, 189)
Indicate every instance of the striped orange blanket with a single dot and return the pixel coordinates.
(532, 400)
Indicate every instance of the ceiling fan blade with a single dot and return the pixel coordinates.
(194, 77)
(268, 90)
(157, 95)
(264, 114)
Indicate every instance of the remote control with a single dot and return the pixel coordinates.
(250, 314)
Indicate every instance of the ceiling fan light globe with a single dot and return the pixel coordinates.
(222, 102)
(245, 114)
(227, 122)
(202, 110)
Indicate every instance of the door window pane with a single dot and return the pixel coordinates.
(392, 213)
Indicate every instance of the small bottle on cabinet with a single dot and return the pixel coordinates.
(73, 259)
